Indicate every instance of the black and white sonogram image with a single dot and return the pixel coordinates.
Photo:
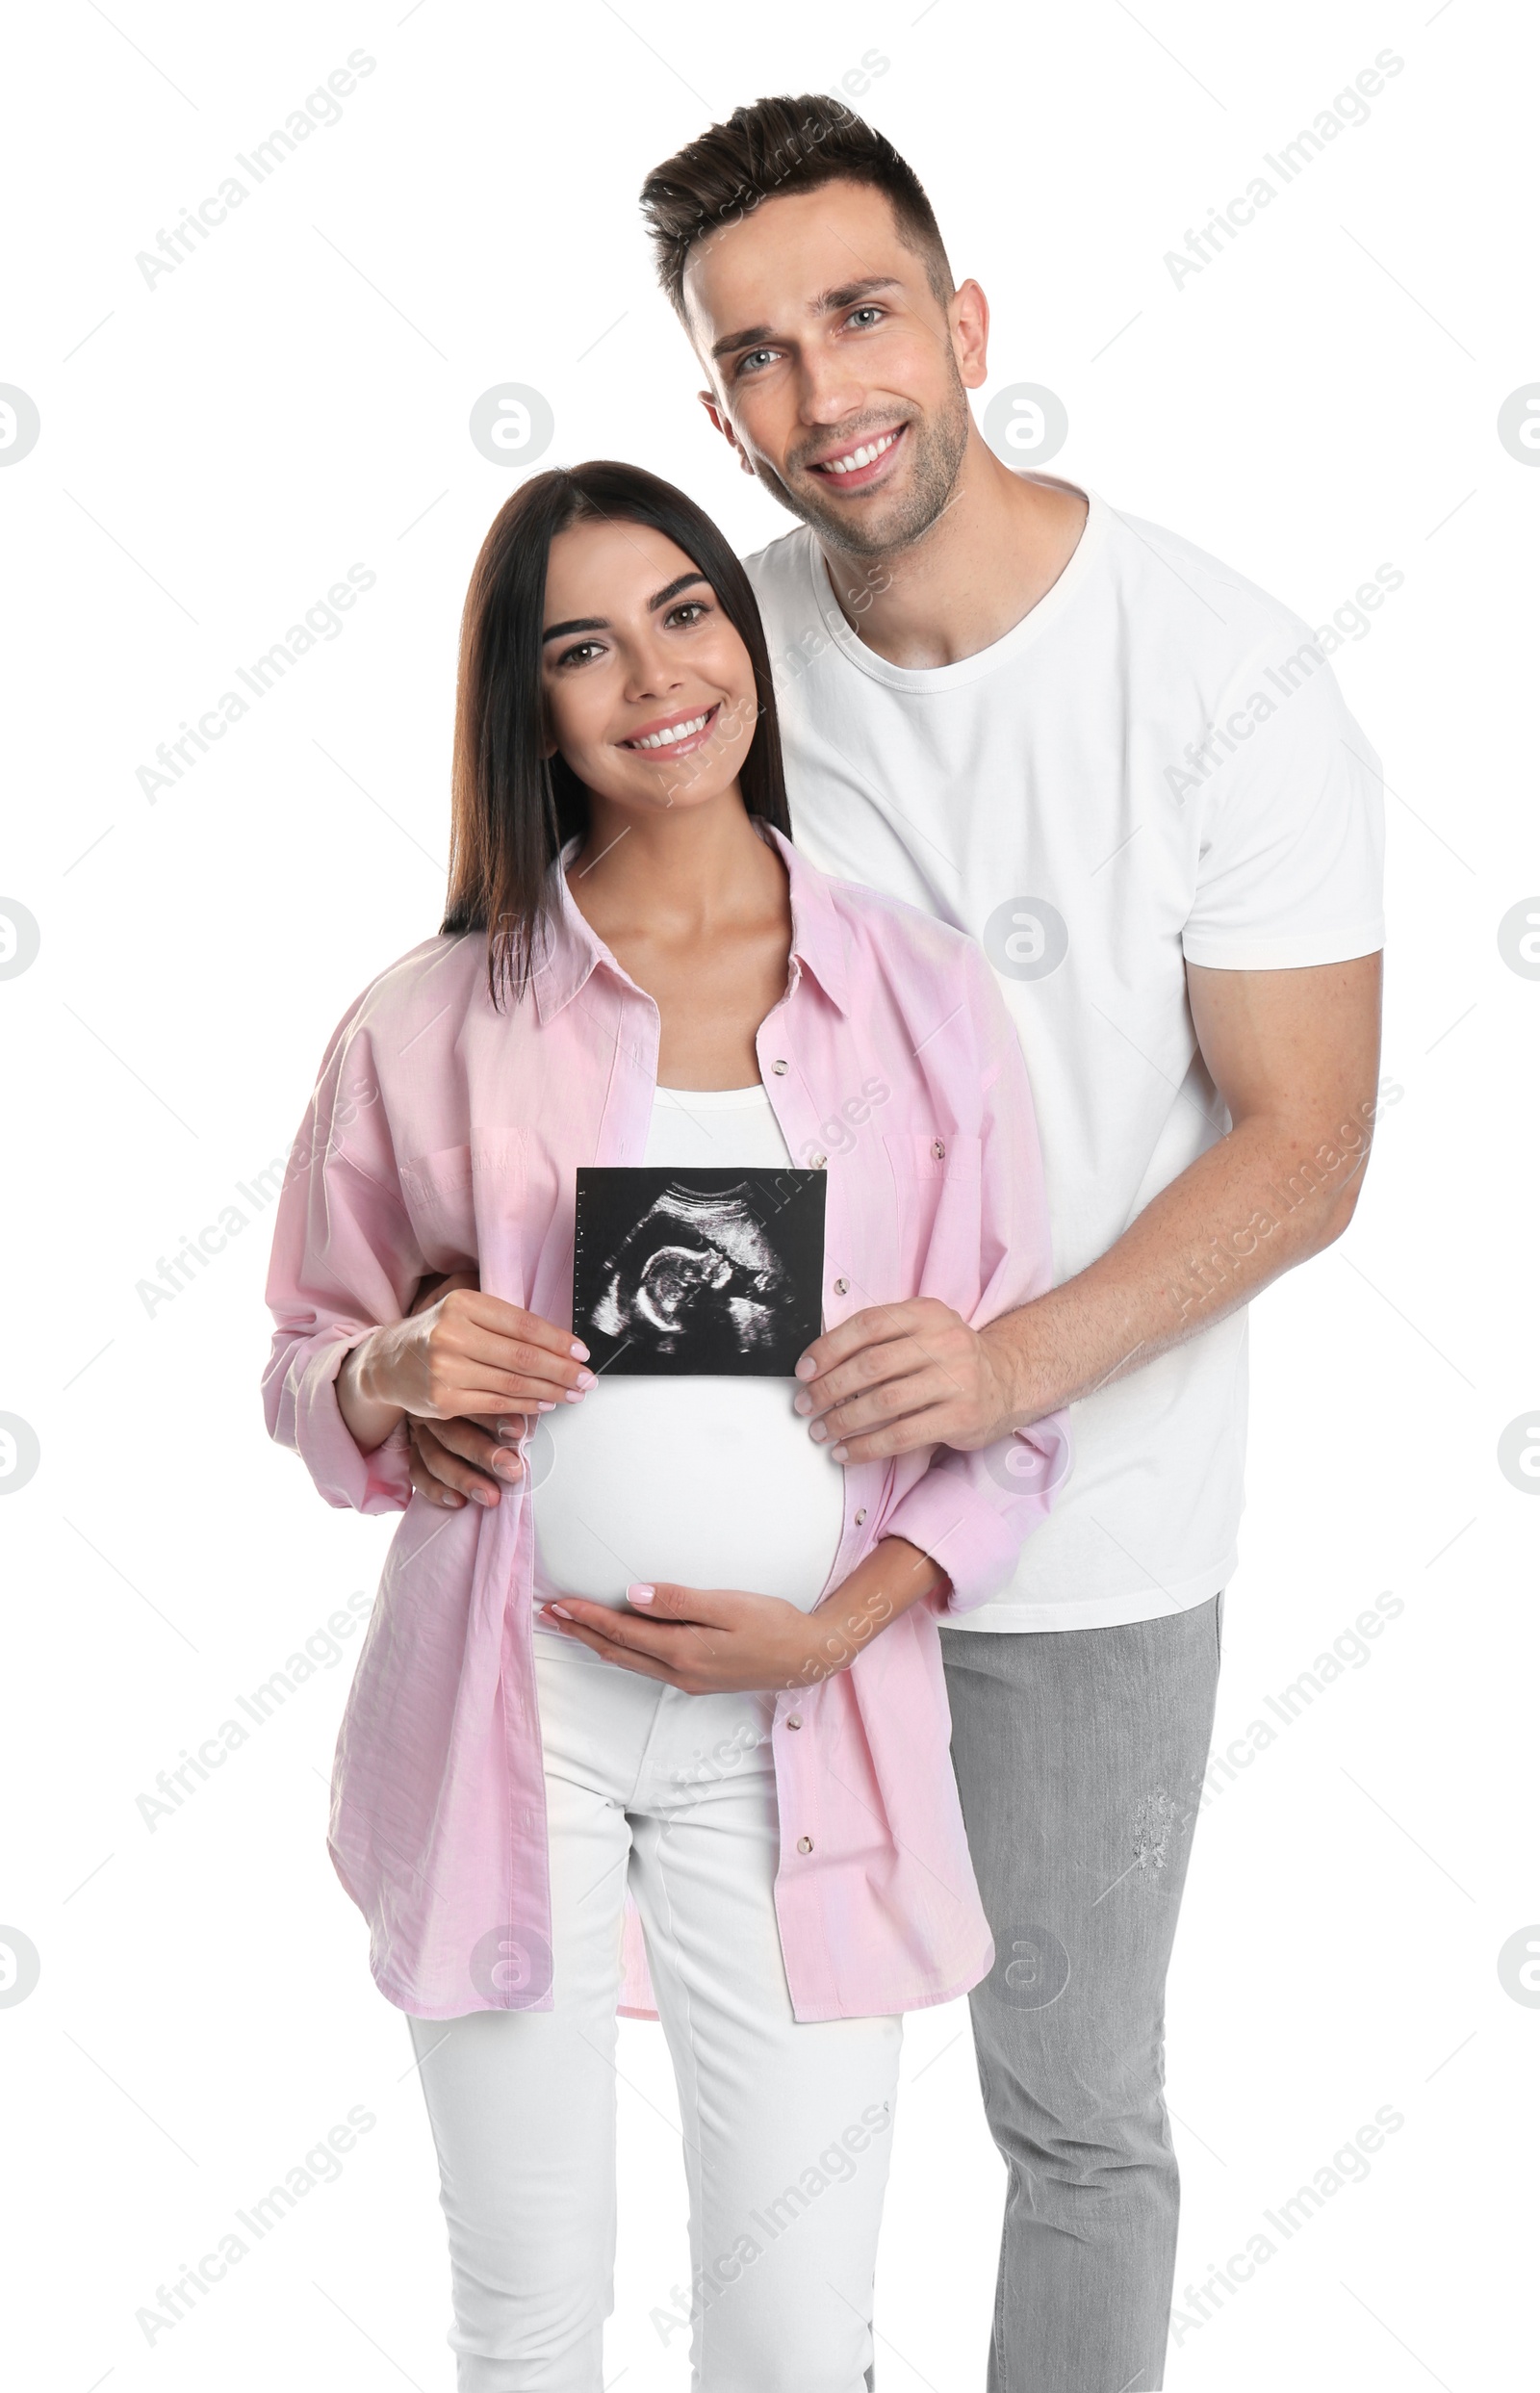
(702, 1270)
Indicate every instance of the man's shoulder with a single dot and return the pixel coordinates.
(779, 570)
(1194, 592)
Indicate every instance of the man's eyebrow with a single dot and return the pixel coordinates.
(600, 622)
(846, 294)
(827, 303)
(748, 339)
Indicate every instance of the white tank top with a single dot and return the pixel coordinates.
(711, 1482)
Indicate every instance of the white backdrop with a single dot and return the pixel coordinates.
(218, 439)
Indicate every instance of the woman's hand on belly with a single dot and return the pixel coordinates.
(704, 1641)
(721, 1640)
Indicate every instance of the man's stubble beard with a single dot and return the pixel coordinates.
(940, 443)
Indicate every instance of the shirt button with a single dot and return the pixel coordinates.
(860, 1516)
(794, 1720)
(841, 1287)
(805, 1844)
(780, 1063)
(938, 1148)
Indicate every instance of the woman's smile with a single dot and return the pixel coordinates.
(677, 733)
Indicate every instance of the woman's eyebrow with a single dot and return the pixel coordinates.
(662, 598)
(600, 622)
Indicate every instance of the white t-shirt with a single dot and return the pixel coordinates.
(1155, 766)
(711, 1482)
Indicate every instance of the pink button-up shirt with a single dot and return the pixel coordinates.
(445, 1132)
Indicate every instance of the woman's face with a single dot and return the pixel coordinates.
(650, 692)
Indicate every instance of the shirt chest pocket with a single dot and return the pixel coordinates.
(938, 1155)
(936, 1178)
(455, 1193)
(440, 1197)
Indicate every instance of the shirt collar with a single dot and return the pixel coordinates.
(568, 949)
(817, 934)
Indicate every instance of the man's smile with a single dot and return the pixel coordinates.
(859, 466)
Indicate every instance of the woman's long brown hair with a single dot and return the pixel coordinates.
(514, 809)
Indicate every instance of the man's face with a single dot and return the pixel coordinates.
(836, 372)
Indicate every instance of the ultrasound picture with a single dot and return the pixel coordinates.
(701, 1269)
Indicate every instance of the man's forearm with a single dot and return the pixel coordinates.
(895, 1576)
(1252, 1207)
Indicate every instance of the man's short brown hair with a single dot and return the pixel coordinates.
(763, 152)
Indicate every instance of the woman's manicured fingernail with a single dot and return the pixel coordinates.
(560, 1612)
(817, 1431)
(802, 1404)
(579, 1350)
(511, 1432)
(507, 1466)
(587, 1378)
(483, 1495)
(807, 1369)
(546, 1403)
(839, 1454)
(640, 1595)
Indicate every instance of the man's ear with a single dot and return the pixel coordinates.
(714, 409)
(968, 313)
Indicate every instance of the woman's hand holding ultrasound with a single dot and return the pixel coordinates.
(467, 1353)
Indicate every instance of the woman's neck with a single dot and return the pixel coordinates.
(696, 909)
(679, 877)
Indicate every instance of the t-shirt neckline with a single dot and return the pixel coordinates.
(712, 1100)
(929, 680)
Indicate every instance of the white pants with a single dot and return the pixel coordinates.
(786, 2127)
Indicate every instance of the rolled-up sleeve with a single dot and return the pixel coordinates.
(344, 1259)
(972, 1512)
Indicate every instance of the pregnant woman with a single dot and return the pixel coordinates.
(763, 1845)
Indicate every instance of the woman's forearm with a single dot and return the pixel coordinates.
(370, 1419)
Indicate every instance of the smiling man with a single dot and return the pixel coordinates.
(1130, 774)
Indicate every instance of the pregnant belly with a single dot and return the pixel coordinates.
(711, 1482)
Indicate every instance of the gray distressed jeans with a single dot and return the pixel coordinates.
(1080, 1756)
